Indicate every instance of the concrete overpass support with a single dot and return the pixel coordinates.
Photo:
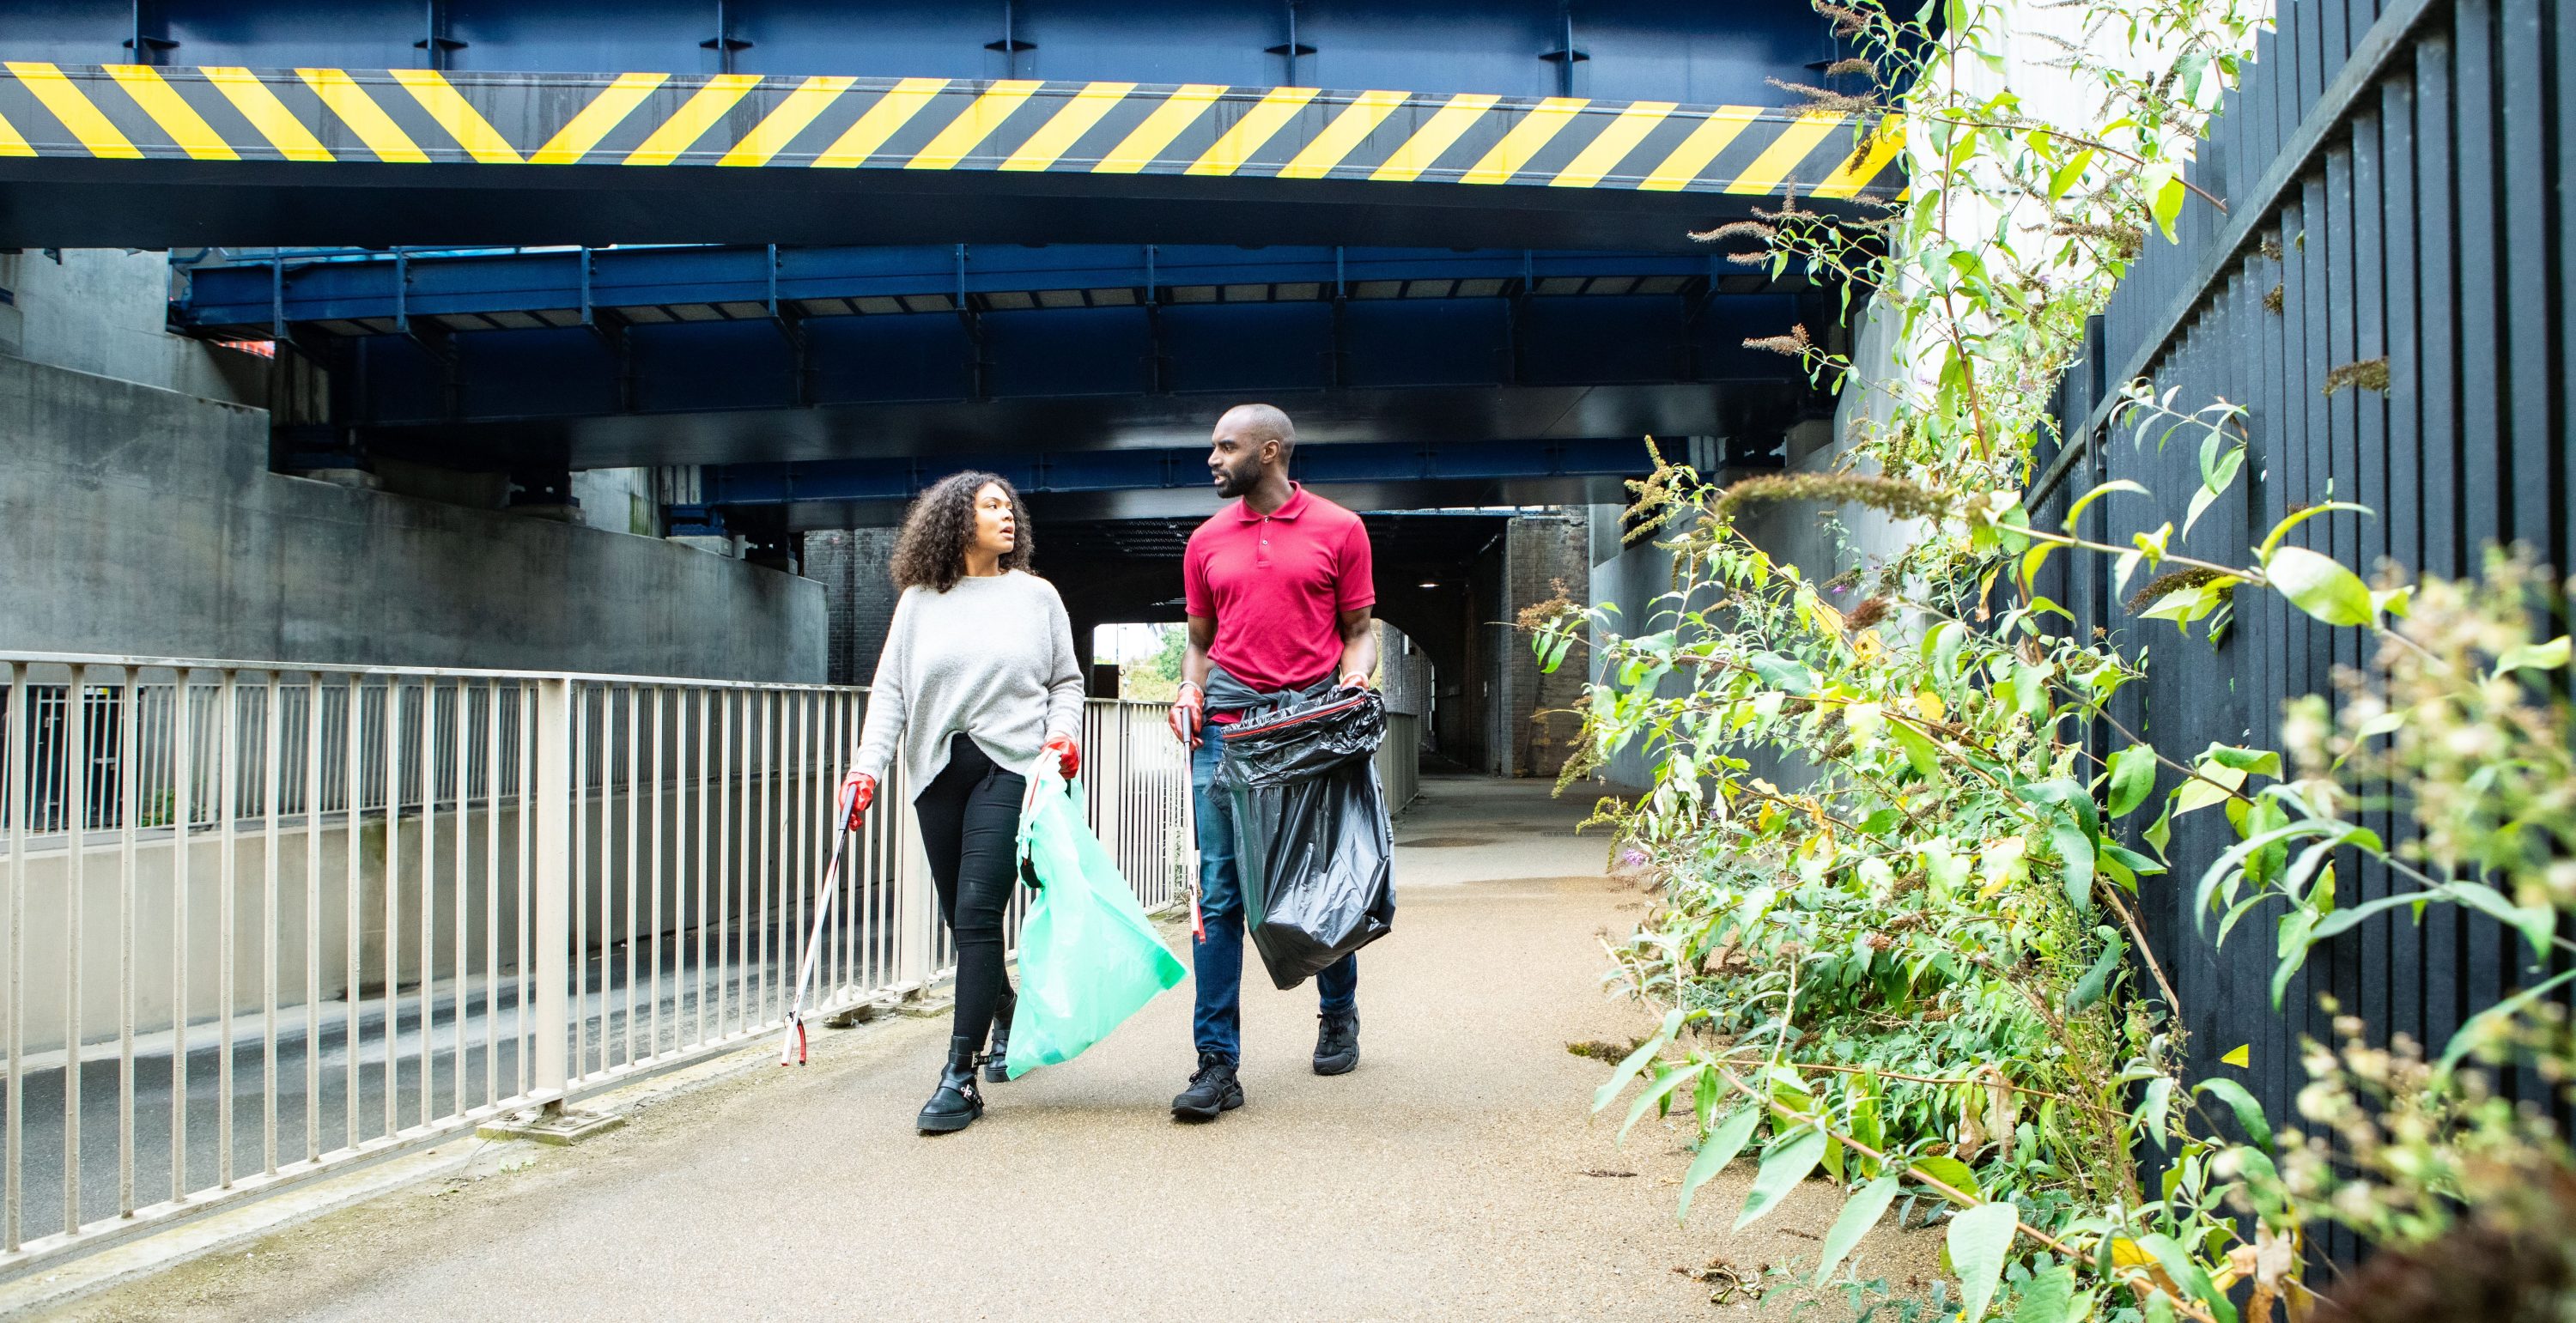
(858, 597)
(139, 519)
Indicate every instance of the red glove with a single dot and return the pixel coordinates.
(1068, 759)
(858, 790)
(1189, 713)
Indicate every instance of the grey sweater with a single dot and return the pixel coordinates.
(990, 657)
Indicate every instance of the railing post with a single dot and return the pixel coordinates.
(1112, 779)
(551, 890)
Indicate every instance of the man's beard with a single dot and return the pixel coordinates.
(1231, 483)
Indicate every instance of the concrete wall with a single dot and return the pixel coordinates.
(101, 311)
(1822, 542)
(141, 520)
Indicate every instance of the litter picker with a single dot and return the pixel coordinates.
(792, 1051)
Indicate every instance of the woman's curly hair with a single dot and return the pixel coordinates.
(931, 550)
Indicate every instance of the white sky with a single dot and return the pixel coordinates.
(1126, 643)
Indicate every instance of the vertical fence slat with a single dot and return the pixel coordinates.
(660, 879)
(426, 1017)
(762, 826)
(528, 1032)
(18, 802)
(634, 876)
(129, 808)
(183, 818)
(461, 769)
(699, 702)
(227, 902)
(491, 894)
(272, 724)
(313, 917)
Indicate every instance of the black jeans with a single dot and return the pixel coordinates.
(970, 822)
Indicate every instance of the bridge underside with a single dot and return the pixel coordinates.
(1080, 369)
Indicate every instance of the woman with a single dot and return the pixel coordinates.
(977, 680)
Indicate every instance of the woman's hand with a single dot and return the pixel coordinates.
(858, 790)
(1068, 759)
(1189, 713)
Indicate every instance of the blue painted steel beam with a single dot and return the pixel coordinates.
(1688, 51)
(353, 294)
(1241, 349)
(1079, 471)
(634, 334)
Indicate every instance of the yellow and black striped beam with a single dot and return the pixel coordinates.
(423, 117)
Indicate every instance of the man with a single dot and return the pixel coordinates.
(1278, 591)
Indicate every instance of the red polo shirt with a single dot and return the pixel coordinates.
(1276, 585)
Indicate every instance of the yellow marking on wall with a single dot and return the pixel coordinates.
(1543, 122)
(1437, 133)
(1682, 165)
(1607, 151)
(692, 120)
(781, 125)
(60, 96)
(11, 144)
(1236, 145)
(1785, 152)
(605, 112)
(1348, 130)
(172, 112)
(1058, 135)
(1867, 159)
(363, 116)
(891, 112)
(463, 122)
(969, 130)
(267, 114)
(1179, 111)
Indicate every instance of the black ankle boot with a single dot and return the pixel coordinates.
(996, 1066)
(958, 1101)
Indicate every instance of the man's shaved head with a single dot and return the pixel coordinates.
(1257, 423)
(1250, 448)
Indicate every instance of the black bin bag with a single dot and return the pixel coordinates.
(1312, 842)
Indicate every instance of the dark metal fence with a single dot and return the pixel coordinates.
(2392, 173)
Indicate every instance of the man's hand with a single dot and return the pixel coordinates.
(858, 790)
(1356, 682)
(1189, 714)
(1068, 759)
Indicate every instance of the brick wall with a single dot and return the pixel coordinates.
(857, 593)
(1534, 724)
(1404, 671)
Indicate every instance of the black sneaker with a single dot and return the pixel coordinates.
(1337, 1043)
(1212, 1090)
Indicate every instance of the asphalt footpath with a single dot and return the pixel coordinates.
(1456, 1174)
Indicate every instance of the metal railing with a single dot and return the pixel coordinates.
(375, 906)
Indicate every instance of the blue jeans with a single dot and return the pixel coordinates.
(1218, 957)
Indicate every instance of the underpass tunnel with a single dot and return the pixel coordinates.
(1450, 588)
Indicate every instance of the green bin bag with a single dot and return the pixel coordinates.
(1088, 955)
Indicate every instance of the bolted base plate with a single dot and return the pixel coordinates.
(563, 1127)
